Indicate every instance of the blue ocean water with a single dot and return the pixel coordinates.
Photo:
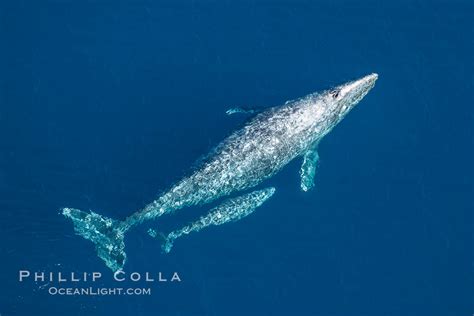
(104, 104)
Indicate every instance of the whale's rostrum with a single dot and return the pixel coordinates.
(242, 161)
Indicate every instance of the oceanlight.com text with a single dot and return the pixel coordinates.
(98, 291)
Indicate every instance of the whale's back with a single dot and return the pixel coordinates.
(248, 156)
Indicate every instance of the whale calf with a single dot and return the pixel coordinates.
(230, 210)
(252, 154)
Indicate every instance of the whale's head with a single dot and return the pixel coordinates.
(341, 99)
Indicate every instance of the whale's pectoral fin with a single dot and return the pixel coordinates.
(308, 169)
(230, 210)
(243, 110)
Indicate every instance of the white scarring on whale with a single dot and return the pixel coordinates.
(249, 156)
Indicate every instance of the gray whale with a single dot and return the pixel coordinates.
(268, 142)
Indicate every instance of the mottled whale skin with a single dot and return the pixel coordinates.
(268, 142)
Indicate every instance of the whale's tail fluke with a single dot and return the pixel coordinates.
(107, 235)
(167, 244)
(166, 240)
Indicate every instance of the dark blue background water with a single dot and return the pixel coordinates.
(104, 104)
